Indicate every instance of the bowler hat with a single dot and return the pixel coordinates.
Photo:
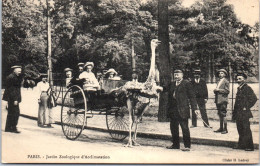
(222, 70)
(16, 66)
(178, 71)
(242, 74)
(197, 71)
(67, 69)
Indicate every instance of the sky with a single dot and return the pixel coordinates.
(247, 11)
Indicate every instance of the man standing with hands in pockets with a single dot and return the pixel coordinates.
(201, 93)
(245, 99)
(181, 98)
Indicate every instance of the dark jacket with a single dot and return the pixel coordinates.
(200, 89)
(13, 88)
(245, 99)
(76, 81)
(184, 98)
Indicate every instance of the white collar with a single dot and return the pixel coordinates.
(240, 86)
(179, 81)
(197, 79)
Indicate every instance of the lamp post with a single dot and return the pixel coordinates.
(49, 42)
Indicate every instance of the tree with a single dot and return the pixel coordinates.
(22, 37)
(102, 33)
(164, 58)
(208, 36)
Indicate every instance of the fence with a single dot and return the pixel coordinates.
(59, 87)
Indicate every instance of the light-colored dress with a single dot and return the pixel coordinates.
(91, 82)
(44, 113)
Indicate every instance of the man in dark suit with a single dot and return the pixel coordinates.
(181, 98)
(12, 95)
(201, 92)
(245, 99)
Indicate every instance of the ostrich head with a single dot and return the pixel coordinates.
(155, 43)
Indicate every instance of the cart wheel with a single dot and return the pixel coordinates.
(117, 123)
(73, 112)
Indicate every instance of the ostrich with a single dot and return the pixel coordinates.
(131, 102)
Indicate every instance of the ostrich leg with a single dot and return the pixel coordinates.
(130, 110)
(136, 125)
(135, 133)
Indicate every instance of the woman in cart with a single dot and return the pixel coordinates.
(44, 112)
(112, 75)
(90, 81)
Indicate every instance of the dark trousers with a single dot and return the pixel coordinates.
(174, 125)
(245, 135)
(203, 113)
(12, 116)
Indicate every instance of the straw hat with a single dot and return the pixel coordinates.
(111, 71)
(89, 64)
(81, 64)
(16, 66)
(43, 75)
(222, 70)
(67, 69)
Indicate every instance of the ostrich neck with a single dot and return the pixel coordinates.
(152, 66)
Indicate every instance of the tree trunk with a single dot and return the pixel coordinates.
(164, 59)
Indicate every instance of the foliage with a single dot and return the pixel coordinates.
(210, 31)
(102, 30)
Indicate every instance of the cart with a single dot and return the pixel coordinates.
(79, 105)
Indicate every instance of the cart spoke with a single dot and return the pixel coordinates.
(116, 123)
(73, 118)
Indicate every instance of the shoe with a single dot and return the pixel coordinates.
(16, 131)
(224, 132)
(40, 125)
(249, 149)
(185, 149)
(9, 130)
(49, 126)
(218, 131)
(172, 147)
(237, 147)
(192, 126)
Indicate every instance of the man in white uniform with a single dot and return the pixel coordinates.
(44, 113)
